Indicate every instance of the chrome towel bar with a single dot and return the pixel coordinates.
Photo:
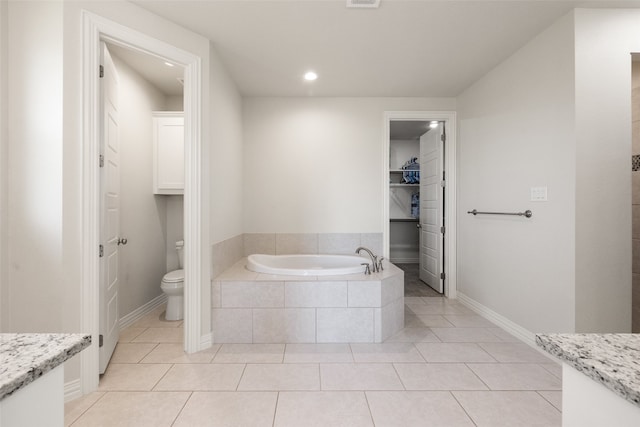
(526, 213)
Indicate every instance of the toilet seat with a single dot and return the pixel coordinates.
(174, 276)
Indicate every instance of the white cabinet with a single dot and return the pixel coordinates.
(168, 152)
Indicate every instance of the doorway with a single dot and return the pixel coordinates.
(419, 196)
(97, 30)
(141, 219)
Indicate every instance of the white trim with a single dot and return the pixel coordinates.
(450, 150)
(140, 312)
(193, 220)
(95, 29)
(72, 390)
(502, 322)
(404, 260)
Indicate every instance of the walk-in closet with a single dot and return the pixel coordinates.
(416, 197)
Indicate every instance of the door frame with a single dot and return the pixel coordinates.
(449, 249)
(96, 29)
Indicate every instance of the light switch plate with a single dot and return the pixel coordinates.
(538, 194)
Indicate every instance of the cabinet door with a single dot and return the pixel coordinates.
(168, 133)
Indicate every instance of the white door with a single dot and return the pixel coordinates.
(431, 207)
(109, 209)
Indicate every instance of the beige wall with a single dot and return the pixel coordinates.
(314, 165)
(174, 229)
(36, 293)
(143, 216)
(174, 103)
(225, 169)
(557, 113)
(604, 41)
(516, 131)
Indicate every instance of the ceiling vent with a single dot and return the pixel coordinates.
(363, 3)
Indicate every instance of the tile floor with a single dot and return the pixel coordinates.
(448, 367)
(413, 286)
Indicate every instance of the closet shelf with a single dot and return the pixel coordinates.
(404, 219)
(403, 170)
(404, 185)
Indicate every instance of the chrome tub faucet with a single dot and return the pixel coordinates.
(376, 265)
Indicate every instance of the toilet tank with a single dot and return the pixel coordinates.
(180, 250)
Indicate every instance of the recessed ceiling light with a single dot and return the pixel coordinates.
(168, 64)
(433, 124)
(310, 76)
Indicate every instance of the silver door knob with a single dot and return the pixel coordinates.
(121, 241)
(418, 225)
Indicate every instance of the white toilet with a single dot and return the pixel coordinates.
(173, 286)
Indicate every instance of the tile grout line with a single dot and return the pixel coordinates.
(163, 375)
(137, 335)
(366, 399)
(215, 353)
(244, 368)
(182, 408)
(399, 377)
(479, 344)
(89, 407)
(478, 376)
(275, 409)
(547, 400)
(148, 353)
(424, 359)
(463, 408)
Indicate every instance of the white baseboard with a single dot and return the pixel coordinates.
(72, 390)
(139, 312)
(405, 260)
(504, 323)
(206, 341)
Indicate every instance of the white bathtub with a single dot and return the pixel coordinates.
(306, 265)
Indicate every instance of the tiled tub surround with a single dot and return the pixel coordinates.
(250, 307)
(226, 253)
(26, 357)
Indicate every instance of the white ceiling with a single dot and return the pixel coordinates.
(409, 48)
(407, 129)
(152, 68)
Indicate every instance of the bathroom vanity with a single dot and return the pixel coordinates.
(600, 378)
(32, 377)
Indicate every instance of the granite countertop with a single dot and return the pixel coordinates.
(610, 359)
(26, 357)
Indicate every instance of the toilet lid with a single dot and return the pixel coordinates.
(174, 276)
